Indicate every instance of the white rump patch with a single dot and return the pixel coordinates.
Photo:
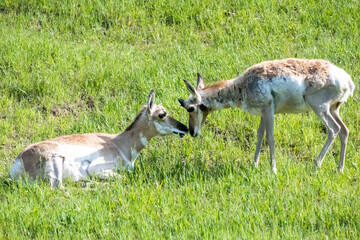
(17, 169)
(342, 81)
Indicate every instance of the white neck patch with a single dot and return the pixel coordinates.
(231, 103)
(160, 128)
(143, 140)
(197, 129)
(218, 105)
(134, 155)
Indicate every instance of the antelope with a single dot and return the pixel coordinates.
(279, 86)
(81, 156)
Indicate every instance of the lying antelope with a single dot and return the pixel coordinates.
(279, 86)
(80, 156)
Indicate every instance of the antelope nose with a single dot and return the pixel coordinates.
(192, 133)
(182, 127)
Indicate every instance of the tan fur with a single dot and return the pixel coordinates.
(315, 72)
(216, 85)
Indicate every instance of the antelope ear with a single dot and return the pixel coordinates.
(190, 87)
(200, 82)
(151, 99)
(193, 91)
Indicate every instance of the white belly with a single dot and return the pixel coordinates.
(285, 93)
(288, 94)
(81, 162)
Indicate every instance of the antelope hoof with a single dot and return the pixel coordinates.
(340, 170)
(274, 170)
(315, 167)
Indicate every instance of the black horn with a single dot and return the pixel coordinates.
(182, 102)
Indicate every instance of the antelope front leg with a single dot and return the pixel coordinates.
(268, 116)
(103, 170)
(106, 174)
(260, 137)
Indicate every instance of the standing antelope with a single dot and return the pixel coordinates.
(279, 86)
(80, 156)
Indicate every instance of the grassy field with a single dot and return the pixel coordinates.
(87, 66)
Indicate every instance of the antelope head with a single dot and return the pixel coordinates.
(198, 109)
(159, 120)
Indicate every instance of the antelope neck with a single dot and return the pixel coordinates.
(221, 95)
(132, 142)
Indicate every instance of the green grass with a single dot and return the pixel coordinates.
(87, 66)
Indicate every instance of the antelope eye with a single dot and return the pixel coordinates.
(162, 115)
(190, 109)
(203, 107)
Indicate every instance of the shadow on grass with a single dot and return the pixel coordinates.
(148, 172)
(185, 171)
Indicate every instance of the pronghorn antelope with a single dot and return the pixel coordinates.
(279, 86)
(80, 156)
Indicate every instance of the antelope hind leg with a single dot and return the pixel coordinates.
(322, 110)
(343, 135)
